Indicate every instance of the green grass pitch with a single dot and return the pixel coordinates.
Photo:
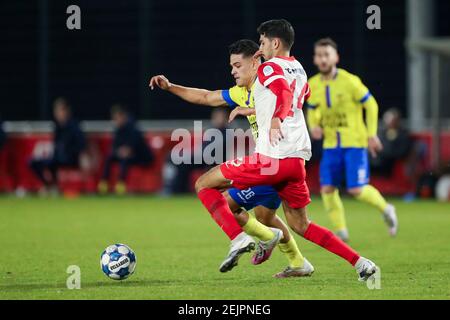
(179, 249)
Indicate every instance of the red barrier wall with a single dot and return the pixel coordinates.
(20, 148)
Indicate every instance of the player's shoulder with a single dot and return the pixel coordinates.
(237, 89)
(270, 67)
(238, 93)
(348, 76)
(315, 79)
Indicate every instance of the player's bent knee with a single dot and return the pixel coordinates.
(199, 184)
(354, 191)
(327, 189)
(234, 207)
(300, 228)
(241, 219)
(264, 215)
(298, 221)
(265, 220)
(212, 179)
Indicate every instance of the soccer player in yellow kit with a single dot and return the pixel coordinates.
(263, 199)
(335, 112)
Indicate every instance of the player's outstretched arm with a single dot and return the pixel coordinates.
(191, 95)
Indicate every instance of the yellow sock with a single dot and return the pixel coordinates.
(103, 187)
(292, 252)
(256, 229)
(335, 209)
(121, 188)
(373, 197)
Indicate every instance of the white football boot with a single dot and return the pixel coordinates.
(390, 218)
(241, 244)
(365, 268)
(343, 235)
(305, 271)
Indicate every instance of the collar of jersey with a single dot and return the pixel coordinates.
(334, 77)
(286, 58)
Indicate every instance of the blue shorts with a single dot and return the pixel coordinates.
(353, 161)
(265, 196)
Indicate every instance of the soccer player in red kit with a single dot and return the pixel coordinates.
(282, 147)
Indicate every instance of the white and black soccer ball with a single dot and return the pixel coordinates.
(118, 261)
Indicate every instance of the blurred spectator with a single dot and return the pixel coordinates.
(177, 176)
(3, 170)
(442, 187)
(129, 148)
(68, 142)
(396, 142)
(2, 135)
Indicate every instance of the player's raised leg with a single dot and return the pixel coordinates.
(207, 190)
(373, 197)
(244, 242)
(299, 222)
(265, 201)
(217, 205)
(295, 197)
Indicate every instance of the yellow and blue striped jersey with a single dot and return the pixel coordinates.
(337, 105)
(242, 97)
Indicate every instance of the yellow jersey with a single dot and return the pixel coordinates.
(242, 97)
(337, 105)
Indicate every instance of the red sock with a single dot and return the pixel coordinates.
(218, 207)
(326, 239)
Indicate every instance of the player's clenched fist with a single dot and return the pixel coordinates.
(375, 146)
(275, 131)
(317, 133)
(160, 81)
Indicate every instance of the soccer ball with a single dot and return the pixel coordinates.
(118, 261)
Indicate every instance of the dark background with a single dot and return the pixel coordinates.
(123, 42)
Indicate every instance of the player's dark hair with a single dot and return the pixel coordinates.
(225, 110)
(62, 102)
(395, 111)
(119, 108)
(245, 47)
(324, 42)
(278, 28)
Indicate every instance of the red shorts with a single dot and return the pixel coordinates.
(287, 176)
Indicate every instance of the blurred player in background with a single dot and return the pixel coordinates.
(335, 113)
(282, 147)
(263, 199)
(68, 143)
(129, 148)
(2, 135)
(177, 176)
(396, 140)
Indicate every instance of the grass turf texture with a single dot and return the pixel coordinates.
(179, 249)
